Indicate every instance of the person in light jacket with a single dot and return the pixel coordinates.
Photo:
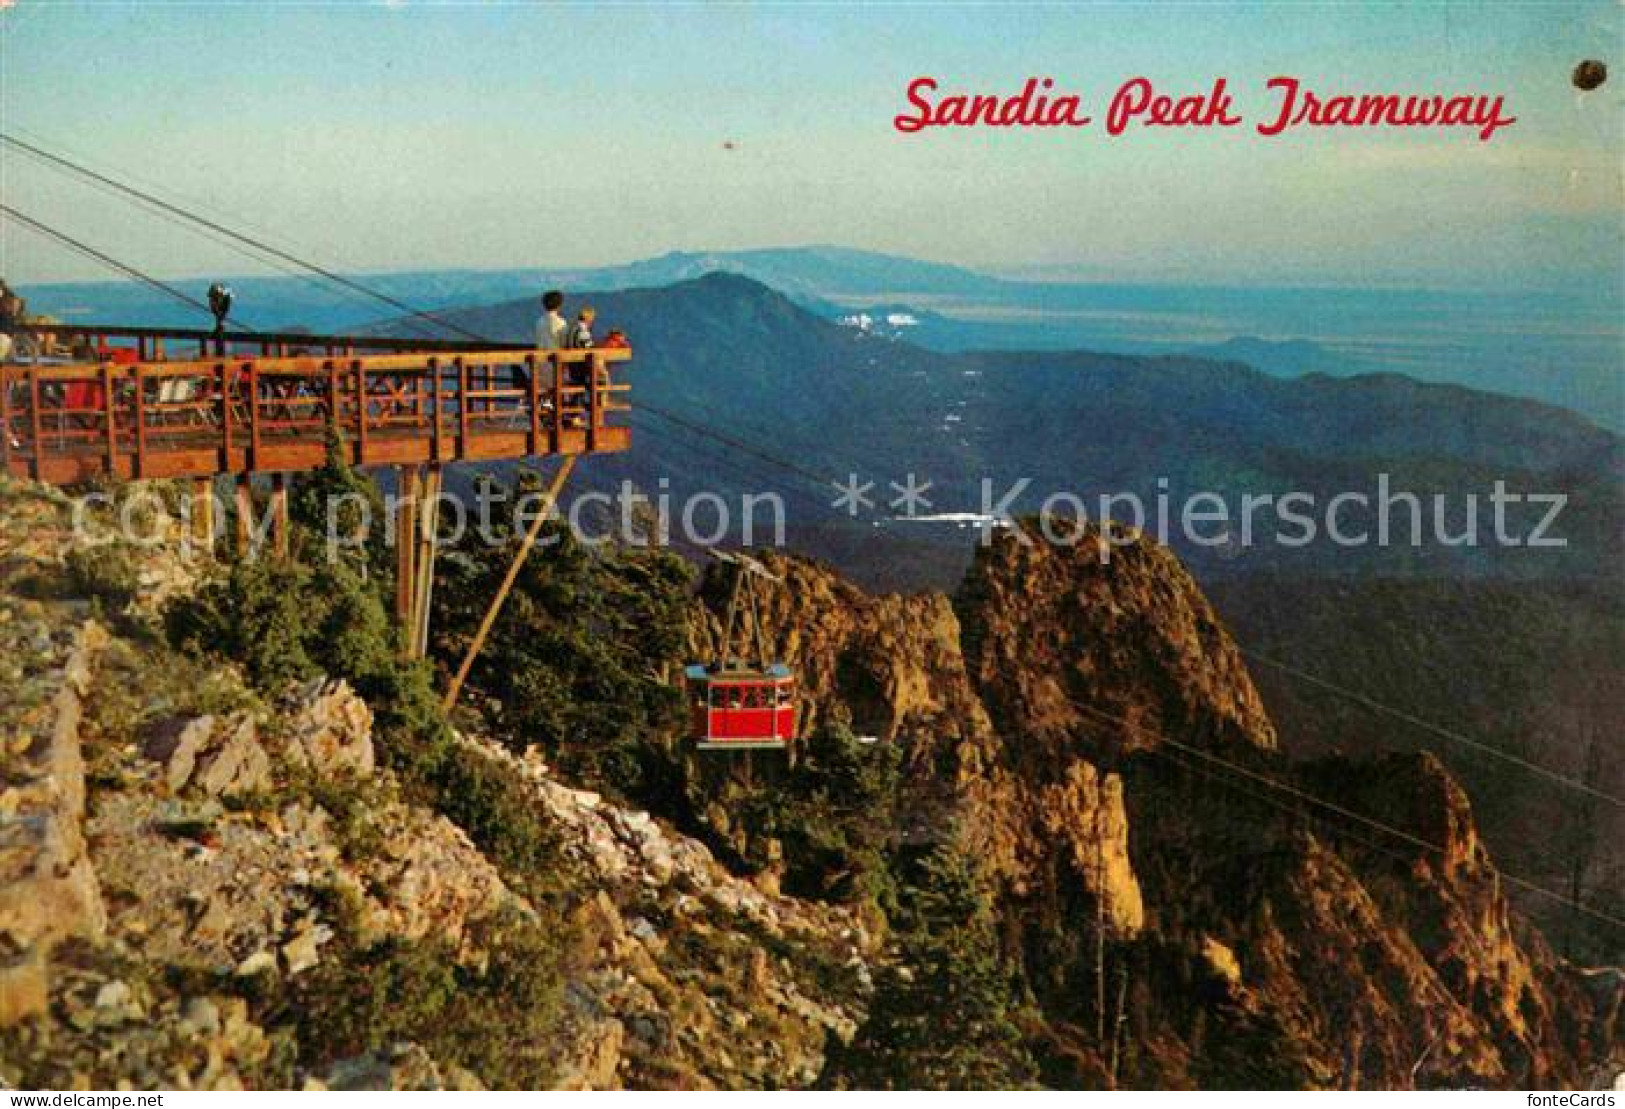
(551, 326)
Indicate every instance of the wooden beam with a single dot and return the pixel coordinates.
(110, 407)
(223, 382)
(462, 405)
(279, 515)
(533, 388)
(595, 413)
(38, 421)
(261, 339)
(245, 515)
(428, 547)
(5, 427)
(253, 378)
(438, 404)
(491, 613)
(139, 390)
(558, 401)
(360, 376)
(406, 541)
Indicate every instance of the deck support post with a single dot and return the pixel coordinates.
(203, 517)
(491, 613)
(5, 424)
(428, 541)
(245, 515)
(406, 542)
(279, 515)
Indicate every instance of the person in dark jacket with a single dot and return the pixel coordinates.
(12, 312)
(579, 337)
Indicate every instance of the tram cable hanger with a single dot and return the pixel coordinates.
(743, 699)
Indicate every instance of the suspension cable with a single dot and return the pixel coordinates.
(694, 427)
(214, 225)
(1432, 728)
(1288, 789)
(91, 252)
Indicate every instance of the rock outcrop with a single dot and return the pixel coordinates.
(180, 857)
(1103, 646)
(680, 988)
(331, 730)
(49, 885)
(1071, 706)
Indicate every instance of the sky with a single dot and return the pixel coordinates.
(406, 135)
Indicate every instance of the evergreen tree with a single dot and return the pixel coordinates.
(577, 662)
(942, 1015)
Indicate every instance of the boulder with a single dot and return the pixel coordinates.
(1221, 960)
(398, 1067)
(304, 951)
(48, 887)
(176, 745)
(221, 758)
(591, 1056)
(1083, 814)
(237, 765)
(332, 730)
(24, 986)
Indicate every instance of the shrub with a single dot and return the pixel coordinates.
(832, 813)
(494, 1014)
(574, 662)
(942, 1017)
(105, 573)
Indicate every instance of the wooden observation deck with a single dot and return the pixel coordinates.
(154, 403)
(135, 403)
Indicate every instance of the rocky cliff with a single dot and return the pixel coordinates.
(1176, 904)
(202, 885)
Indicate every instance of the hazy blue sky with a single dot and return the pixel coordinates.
(405, 135)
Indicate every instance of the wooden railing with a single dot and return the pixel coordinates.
(135, 414)
(157, 343)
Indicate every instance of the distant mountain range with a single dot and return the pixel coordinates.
(1561, 347)
(1518, 649)
(1492, 642)
(730, 354)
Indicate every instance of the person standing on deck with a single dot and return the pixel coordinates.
(12, 311)
(551, 329)
(579, 337)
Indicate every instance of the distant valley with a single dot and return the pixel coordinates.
(733, 355)
(1557, 346)
(1517, 648)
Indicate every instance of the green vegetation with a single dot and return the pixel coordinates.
(493, 1017)
(828, 821)
(575, 663)
(341, 498)
(284, 622)
(943, 1014)
(105, 574)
